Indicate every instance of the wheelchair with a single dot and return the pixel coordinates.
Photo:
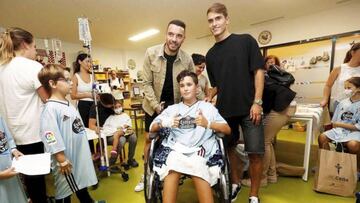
(153, 185)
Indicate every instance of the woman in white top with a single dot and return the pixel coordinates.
(115, 82)
(21, 96)
(82, 86)
(82, 90)
(337, 77)
(199, 61)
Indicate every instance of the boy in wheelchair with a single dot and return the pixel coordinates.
(190, 146)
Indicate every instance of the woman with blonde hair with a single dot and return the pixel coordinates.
(21, 96)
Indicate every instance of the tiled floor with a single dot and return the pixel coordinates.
(289, 149)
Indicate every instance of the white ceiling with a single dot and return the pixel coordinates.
(113, 21)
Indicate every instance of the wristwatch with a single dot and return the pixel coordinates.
(258, 102)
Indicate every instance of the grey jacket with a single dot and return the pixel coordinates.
(154, 72)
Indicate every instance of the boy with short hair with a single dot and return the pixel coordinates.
(64, 136)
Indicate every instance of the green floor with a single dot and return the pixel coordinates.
(289, 149)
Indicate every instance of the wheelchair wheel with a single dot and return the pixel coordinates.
(224, 188)
(151, 186)
(224, 185)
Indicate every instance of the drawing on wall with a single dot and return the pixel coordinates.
(45, 57)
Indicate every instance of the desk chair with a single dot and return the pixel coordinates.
(137, 113)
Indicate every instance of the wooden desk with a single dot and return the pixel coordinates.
(135, 112)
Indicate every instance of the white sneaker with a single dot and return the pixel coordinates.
(140, 186)
(253, 199)
(235, 190)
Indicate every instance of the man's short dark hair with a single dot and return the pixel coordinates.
(67, 69)
(198, 59)
(178, 23)
(185, 73)
(107, 99)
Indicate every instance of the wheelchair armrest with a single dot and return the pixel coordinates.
(163, 132)
(220, 135)
(153, 135)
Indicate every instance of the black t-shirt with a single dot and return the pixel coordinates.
(230, 65)
(167, 94)
(104, 113)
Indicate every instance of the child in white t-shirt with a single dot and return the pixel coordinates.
(11, 189)
(119, 125)
(63, 134)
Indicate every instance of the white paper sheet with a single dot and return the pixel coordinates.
(35, 164)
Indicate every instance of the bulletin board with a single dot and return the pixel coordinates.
(311, 61)
(310, 65)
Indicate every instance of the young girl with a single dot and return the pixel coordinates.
(64, 136)
(346, 120)
(191, 146)
(10, 186)
(119, 125)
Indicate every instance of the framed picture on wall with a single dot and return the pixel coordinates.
(136, 91)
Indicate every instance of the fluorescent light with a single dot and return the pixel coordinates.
(143, 35)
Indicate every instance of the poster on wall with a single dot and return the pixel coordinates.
(310, 65)
(45, 57)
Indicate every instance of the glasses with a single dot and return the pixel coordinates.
(65, 80)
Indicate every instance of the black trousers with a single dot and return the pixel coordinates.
(84, 109)
(83, 195)
(35, 185)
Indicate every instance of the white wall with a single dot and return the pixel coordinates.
(334, 21)
(138, 57)
(113, 58)
(339, 20)
(107, 57)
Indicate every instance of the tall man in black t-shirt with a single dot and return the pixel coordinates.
(161, 66)
(235, 69)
